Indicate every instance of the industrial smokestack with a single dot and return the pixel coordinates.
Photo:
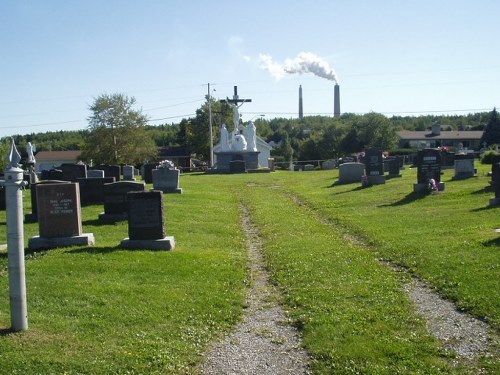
(301, 109)
(336, 101)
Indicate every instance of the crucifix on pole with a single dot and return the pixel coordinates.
(234, 105)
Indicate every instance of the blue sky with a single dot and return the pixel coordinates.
(393, 57)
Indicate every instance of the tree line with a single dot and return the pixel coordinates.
(120, 134)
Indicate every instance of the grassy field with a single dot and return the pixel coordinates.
(105, 310)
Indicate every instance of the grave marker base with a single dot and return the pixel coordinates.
(37, 242)
(420, 188)
(167, 243)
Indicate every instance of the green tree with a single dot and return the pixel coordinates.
(117, 133)
(376, 131)
(491, 135)
(194, 133)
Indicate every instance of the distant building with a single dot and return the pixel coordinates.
(469, 139)
(46, 160)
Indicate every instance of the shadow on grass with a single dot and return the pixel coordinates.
(412, 197)
(485, 208)
(5, 331)
(494, 242)
(94, 250)
(94, 222)
(358, 187)
(484, 190)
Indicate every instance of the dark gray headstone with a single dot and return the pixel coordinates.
(92, 189)
(52, 174)
(147, 172)
(374, 163)
(2, 198)
(237, 166)
(115, 196)
(145, 215)
(72, 172)
(428, 163)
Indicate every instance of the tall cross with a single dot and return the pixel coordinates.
(236, 99)
(234, 104)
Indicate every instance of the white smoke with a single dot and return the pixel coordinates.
(305, 62)
(267, 63)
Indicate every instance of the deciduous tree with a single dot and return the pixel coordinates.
(117, 133)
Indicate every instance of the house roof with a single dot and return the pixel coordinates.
(57, 155)
(454, 134)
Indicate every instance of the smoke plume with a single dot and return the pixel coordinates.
(304, 62)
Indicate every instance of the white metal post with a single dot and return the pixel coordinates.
(15, 241)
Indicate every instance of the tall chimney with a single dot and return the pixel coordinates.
(301, 109)
(336, 101)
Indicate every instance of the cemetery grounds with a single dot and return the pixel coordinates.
(340, 255)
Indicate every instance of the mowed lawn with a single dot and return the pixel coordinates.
(105, 310)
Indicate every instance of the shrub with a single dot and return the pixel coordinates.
(487, 156)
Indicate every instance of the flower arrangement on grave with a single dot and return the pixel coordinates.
(166, 164)
(432, 185)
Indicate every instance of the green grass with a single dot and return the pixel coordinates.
(106, 310)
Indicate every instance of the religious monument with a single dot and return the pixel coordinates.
(240, 147)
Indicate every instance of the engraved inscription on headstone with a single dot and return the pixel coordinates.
(59, 212)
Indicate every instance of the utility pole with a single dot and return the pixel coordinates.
(210, 127)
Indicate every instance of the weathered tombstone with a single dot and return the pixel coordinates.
(33, 216)
(146, 226)
(92, 189)
(350, 172)
(374, 167)
(391, 165)
(95, 173)
(329, 165)
(237, 166)
(428, 163)
(270, 164)
(128, 173)
(308, 167)
(464, 167)
(147, 172)
(59, 217)
(166, 179)
(72, 172)
(115, 199)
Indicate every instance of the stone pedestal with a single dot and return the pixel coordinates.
(224, 158)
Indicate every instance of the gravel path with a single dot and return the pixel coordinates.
(458, 331)
(264, 342)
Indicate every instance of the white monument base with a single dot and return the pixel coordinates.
(37, 242)
(166, 243)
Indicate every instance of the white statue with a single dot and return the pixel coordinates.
(251, 137)
(239, 143)
(30, 149)
(236, 114)
(224, 139)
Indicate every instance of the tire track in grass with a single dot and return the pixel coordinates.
(264, 342)
(459, 332)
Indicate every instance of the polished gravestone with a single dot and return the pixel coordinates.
(115, 199)
(146, 225)
(59, 217)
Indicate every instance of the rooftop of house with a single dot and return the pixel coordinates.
(57, 155)
(453, 134)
